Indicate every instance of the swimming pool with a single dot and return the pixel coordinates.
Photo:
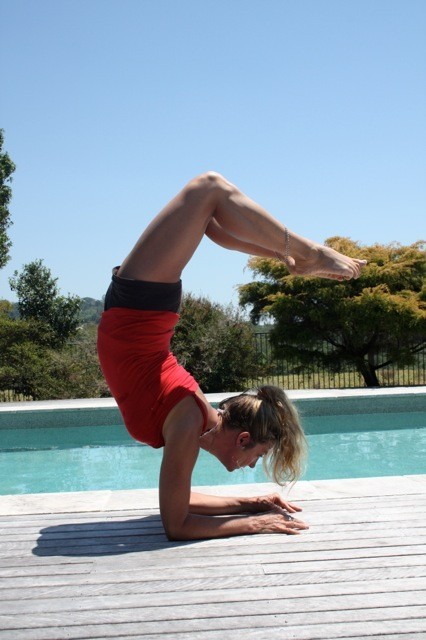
(81, 458)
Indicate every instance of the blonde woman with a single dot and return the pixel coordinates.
(161, 403)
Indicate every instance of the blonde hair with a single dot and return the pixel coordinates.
(269, 416)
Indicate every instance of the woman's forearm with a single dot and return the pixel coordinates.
(207, 505)
(196, 527)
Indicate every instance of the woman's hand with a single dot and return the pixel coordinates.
(275, 515)
(272, 502)
(279, 521)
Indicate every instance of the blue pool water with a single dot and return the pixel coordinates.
(93, 458)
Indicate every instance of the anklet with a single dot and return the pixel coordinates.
(286, 247)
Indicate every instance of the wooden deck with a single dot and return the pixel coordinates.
(99, 566)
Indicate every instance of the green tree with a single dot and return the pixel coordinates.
(215, 345)
(24, 354)
(91, 310)
(75, 369)
(29, 366)
(367, 323)
(39, 299)
(7, 167)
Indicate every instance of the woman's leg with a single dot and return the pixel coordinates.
(210, 204)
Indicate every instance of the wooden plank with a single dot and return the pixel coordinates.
(322, 532)
(283, 544)
(134, 552)
(133, 527)
(188, 626)
(156, 535)
(176, 599)
(312, 632)
(349, 563)
(83, 516)
(152, 520)
(111, 623)
(307, 608)
(9, 562)
(355, 530)
(141, 527)
(49, 577)
(88, 537)
(86, 588)
(317, 505)
(30, 574)
(131, 560)
(61, 575)
(282, 548)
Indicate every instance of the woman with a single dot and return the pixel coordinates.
(161, 403)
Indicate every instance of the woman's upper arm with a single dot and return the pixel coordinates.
(181, 433)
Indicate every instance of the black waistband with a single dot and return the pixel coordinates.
(143, 295)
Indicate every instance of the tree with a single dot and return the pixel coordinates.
(30, 367)
(39, 299)
(215, 345)
(23, 354)
(7, 167)
(367, 323)
(91, 310)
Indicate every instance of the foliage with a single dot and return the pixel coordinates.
(31, 367)
(23, 356)
(39, 299)
(384, 311)
(215, 345)
(7, 167)
(76, 367)
(90, 310)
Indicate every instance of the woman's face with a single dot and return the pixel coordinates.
(246, 455)
(234, 449)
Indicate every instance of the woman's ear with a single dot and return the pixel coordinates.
(244, 440)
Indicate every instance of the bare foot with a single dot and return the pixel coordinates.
(325, 263)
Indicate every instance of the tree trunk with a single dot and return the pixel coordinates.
(369, 374)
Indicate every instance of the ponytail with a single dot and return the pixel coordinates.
(269, 416)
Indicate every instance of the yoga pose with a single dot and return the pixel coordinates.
(161, 403)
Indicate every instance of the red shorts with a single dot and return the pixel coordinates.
(143, 375)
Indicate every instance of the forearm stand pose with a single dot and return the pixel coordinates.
(161, 403)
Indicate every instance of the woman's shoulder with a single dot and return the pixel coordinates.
(209, 412)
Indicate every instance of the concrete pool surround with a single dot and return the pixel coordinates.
(104, 411)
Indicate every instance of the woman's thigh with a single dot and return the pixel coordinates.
(169, 241)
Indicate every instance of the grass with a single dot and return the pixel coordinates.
(8, 395)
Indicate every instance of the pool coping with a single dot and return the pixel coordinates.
(309, 402)
(133, 499)
(300, 394)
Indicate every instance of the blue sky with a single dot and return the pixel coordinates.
(314, 108)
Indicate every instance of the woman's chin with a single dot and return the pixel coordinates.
(231, 466)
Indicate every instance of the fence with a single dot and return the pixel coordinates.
(291, 376)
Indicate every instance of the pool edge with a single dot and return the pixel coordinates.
(135, 499)
(104, 411)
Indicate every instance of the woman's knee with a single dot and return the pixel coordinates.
(208, 183)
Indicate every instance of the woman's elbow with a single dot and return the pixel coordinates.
(174, 530)
(174, 534)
